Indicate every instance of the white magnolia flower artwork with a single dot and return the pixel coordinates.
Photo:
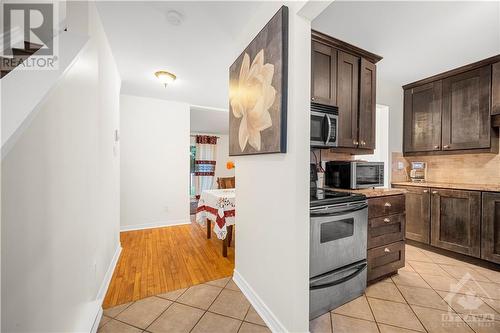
(258, 84)
(252, 98)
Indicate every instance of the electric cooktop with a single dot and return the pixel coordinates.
(321, 197)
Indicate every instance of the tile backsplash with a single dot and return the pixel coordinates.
(462, 168)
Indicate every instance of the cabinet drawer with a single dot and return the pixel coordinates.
(385, 230)
(386, 259)
(389, 205)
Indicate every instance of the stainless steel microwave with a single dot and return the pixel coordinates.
(354, 174)
(324, 125)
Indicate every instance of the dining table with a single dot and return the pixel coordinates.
(216, 208)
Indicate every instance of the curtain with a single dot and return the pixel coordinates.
(204, 170)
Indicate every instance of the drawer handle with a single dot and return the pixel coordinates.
(387, 204)
(386, 220)
(386, 250)
(426, 191)
(434, 192)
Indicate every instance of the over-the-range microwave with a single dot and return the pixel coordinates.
(324, 125)
(354, 174)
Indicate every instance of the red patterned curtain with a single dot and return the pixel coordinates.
(206, 152)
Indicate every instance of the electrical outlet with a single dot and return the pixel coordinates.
(401, 166)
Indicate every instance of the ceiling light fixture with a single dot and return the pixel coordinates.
(165, 77)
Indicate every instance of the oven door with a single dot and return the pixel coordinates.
(369, 174)
(338, 236)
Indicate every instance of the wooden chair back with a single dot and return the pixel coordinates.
(226, 182)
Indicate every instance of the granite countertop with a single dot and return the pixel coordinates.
(374, 192)
(457, 186)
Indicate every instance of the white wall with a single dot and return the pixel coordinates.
(154, 162)
(272, 198)
(60, 217)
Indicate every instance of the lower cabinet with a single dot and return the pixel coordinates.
(466, 222)
(490, 240)
(456, 221)
(418, 213)
(386, 230)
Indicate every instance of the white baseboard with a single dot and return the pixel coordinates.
(104, 287)
(154, 225)
(97, 321)
(266, 314)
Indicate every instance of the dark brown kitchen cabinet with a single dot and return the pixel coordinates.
(348, 99)
(324, 73)
(418, 213)
(490, 240)
(466, 110)
(344, 75)
(386, 234)
(367, 104)
(454, 112)
(456, 220)
(422, 117)
(495, 89)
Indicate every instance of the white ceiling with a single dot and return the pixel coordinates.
(416, 39)
(199, 50)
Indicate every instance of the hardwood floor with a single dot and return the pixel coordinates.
(155, 261)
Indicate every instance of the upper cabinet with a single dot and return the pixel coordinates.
(324, 72)
(452, 112)
(466, 110)
(344, 75)
(422, 117)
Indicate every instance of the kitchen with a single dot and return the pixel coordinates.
(411, 244)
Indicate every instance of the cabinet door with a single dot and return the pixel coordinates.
(367, 93)
(456, 220)
(495, 89)
(490, 241)
(418, 213)
(347, 97)
(323, 74)
(466, 110)
(422, 118)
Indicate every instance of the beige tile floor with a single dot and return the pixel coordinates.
(420, 298)
(432, 293)
(214, 307)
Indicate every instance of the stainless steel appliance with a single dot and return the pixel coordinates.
(354, 174)
(418, 171)
(338, 242)
(324, 125)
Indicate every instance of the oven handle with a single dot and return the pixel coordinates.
(359, 269)
(332, 211)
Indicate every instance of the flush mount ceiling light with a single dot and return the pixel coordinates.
(165, 77)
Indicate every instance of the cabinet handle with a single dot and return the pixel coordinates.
(436, 147)
(355, 142)
(446, 146)
(426, 191)
(387, 204)
(386, 250)
(363, 143)
(386, 220)
(434, 192)
(312, 98)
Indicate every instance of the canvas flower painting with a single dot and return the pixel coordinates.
(257, 92)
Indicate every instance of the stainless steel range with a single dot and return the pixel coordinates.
(338, 240)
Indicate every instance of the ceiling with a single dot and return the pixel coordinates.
(199, 50)
(416, 39)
